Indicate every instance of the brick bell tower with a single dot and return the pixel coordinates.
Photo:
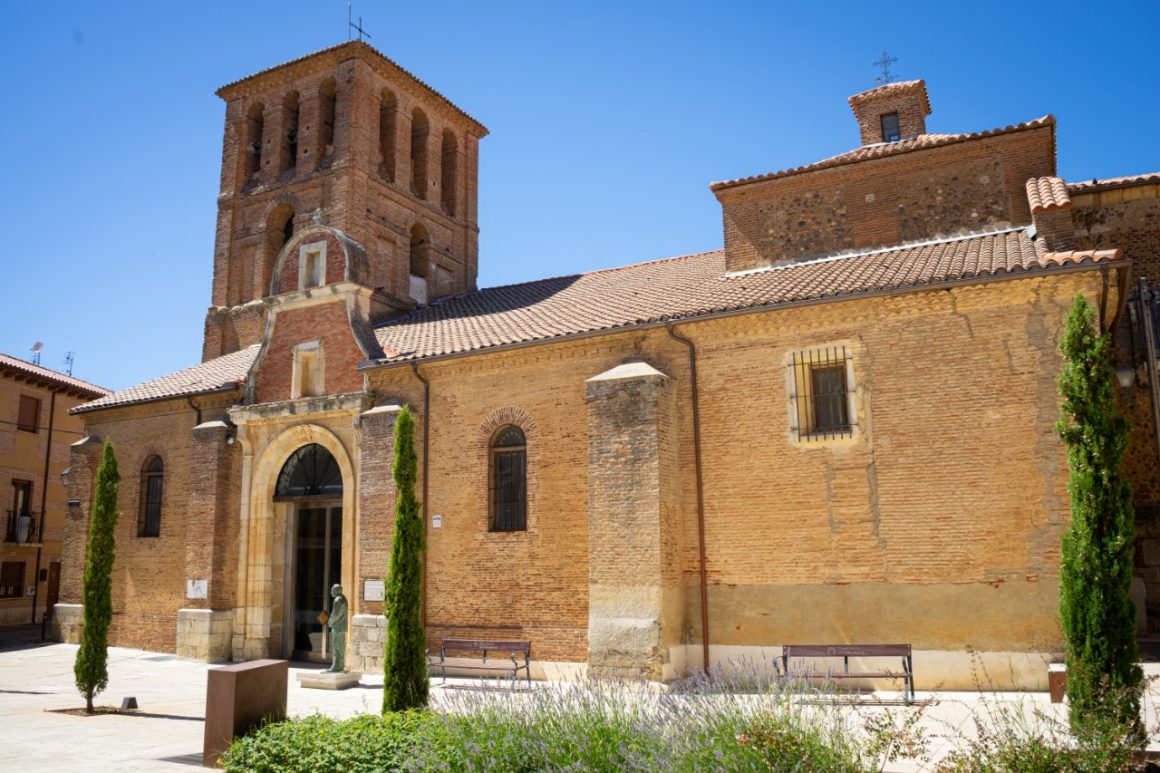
(348, 139)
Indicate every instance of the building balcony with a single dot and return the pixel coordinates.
(21, 528)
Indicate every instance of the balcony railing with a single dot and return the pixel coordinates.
(20, 528)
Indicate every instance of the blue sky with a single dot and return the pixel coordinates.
(608, 121)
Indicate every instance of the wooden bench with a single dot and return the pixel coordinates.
(847, 651)
(518, 658)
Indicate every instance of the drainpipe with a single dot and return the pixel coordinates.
(43, 509)
(426, 456)
(700, 495)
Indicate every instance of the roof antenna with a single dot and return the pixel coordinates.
(350, 25)
(36, 347)
(884, 62)
(68, 363)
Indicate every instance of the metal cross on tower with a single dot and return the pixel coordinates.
(884, 62)
(350, 25)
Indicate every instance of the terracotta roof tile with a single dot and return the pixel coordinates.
(883, 150)
(890, 90)
(29, 369)
(685, 287)
(1047, 193)
(209, 376)
(1090, 186)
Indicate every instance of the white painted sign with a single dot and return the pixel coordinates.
(196, 589)
(373, 590)
(436, 521)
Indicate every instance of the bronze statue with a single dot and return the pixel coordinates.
(337, 623)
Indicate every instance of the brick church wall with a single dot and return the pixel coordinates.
(909, 514)
(149, 573)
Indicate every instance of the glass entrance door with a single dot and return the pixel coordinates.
(317, 561)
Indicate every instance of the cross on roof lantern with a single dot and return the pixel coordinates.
(352, 26)
(884, 62)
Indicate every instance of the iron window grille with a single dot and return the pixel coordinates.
(152, 478)
(821, 394)
(508, 480)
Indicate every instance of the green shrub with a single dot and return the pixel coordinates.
(1095, 609)
(91, 668)
(363, 744)
(405, 663)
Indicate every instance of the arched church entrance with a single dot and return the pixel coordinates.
(310, 483)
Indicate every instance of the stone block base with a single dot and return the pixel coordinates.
(368, 637)
(67, 622)
(239, 698)
(204, 634)
(325, 680)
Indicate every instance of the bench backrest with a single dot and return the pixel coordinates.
(491, 645)
(844, 650)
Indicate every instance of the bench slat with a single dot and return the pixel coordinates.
(498, 645)
(849, 674)
(844, 650)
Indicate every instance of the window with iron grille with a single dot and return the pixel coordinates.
(821, 393)
(29, 417)
(508, 480)
(11, 579)
(152, 477)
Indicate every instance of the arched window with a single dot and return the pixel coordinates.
(289, 150)
(420, 264)
(327, 99)
(449, 159)
(311, 473)
(252, 142)
(419, 129)
(508, 480)
(387, 111)
(279, 229)
(152, 477)
(419, 245)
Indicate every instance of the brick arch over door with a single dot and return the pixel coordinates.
(261, 518)
(517, 417)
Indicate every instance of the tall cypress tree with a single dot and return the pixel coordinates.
(405, 677)
(1098, 616)
(91, 667)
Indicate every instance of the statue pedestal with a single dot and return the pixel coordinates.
(325, 680)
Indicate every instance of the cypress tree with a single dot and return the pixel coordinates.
(91, 667)
(405, 666)
(1098, 616)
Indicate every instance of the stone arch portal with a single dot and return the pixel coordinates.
(273, 525)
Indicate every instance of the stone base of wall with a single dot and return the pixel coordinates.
(67, 622)
(368, 636)
(204, 634)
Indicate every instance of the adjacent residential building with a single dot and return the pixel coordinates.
(836, 429)
(36, 431)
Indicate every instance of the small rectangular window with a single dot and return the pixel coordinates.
(11, 579)
(308, 371)
(890, 131)
(29, 417)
